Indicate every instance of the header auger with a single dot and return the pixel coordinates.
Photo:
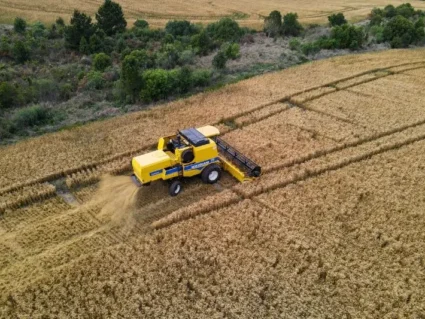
(192, 152)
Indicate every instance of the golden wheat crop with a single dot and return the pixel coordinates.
(250, 13)
(347, 233)
(332, 227)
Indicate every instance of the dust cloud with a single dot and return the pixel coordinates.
(117, 197)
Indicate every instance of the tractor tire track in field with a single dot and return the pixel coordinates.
(287, 99)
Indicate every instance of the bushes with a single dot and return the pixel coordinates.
(31, 116)
(21, 52)
(294, 44)
(219, 60)
(101, 61)
(20, 25)
(157, 85)
(141, 24)
(231, 50)
(95, 81)
(202, 43)
(8, 95)
(337, 19)
(310, 48)
(160, 84)
(378, 32)
(342, 37)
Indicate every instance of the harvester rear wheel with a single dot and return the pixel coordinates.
(211, 174)
(175, 188)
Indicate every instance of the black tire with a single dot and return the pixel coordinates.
(187, 156)
(211, 174)
(175, 188)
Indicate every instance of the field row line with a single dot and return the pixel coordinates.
(288, 98)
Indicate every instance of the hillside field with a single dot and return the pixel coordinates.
(247, 13)
(334, 228)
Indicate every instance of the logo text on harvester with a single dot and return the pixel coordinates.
(156, 172)
(201, 164)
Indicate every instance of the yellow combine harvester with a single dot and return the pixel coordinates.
(192, 152)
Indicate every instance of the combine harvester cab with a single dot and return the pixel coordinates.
(192, 152)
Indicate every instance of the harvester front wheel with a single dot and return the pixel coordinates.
(211, 174)
(175, 188)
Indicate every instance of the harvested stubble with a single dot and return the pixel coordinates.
(55, 230)
(98, 143)
(24, 216)
(84, 194)
(207, 204)
(26, 196)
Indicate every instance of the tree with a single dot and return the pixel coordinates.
(337, 19)
(347, 37)
(21, 53)
(131, 71)
(110, 18)
(273, 24)
(390, 11)
(101, 61)
(225, 30)
(180, 28)
(20, 25)
(400, 32)
(406, 10)
(202, 43)
(290, 25)
(81, 26)
(220, 60)
(157, 84)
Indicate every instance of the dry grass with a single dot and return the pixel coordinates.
(332, 228)
(249, 13)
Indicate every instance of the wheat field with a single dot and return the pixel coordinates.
(332, 229)
(247, 13)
